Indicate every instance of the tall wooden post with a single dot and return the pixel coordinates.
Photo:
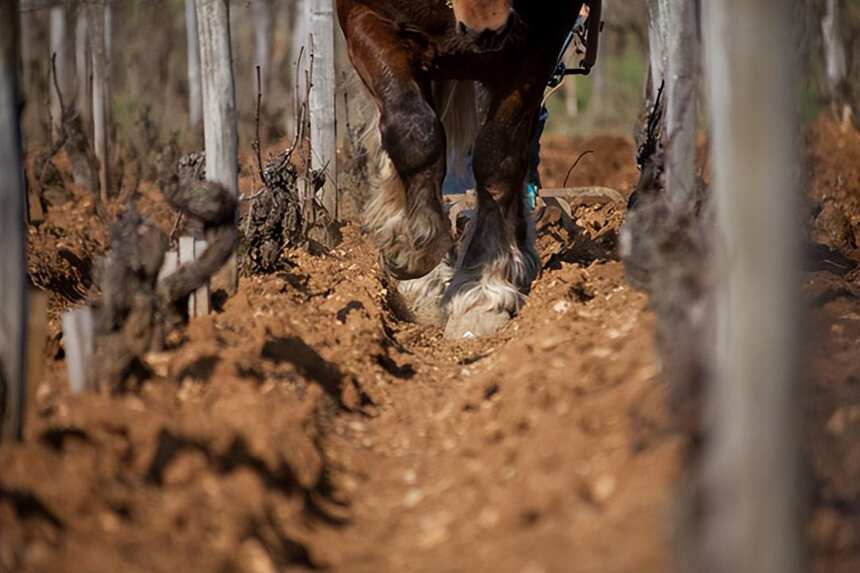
(13, 264)
(262, 16)
(101, 95)
(322, 101)
(83, 66)
(835, 59)
(682, 75)
(219, 104)
(195, 93)
(657, 47)
(752, 520)
(58, 48)
(300, 46)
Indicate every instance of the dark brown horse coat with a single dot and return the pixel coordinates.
(407, 53)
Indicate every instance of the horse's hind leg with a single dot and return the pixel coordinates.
(404, 215)
(498, 261)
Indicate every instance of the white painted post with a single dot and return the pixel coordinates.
(58, 48)
(219, 105)
(322, 101)
(195, 93)
(752, 480)
(13, 263)
(79, 342)
(101, 95)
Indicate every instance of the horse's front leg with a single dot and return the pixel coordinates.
(498, 261)
(404, 214)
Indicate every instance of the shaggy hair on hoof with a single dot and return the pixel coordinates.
(422, 299)
(412, 244)
(484, 296)
(480, 301)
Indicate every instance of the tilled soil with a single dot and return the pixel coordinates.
(302, 426)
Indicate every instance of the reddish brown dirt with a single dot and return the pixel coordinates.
(302, 426)
(833, 396)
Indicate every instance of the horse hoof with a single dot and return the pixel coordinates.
(421, 301)
(476, 324)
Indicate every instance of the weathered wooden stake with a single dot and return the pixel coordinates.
(657, 42)
(83, 66)
(262, 16)
(195, 94)
(219, 105)
(101, 95)
(37, 337)
(752, 508)
(79, 342)
(58, 47)
(682, 82)
(169, 266)
(190, 250)
(13, 263)
(836, 60)
(299, 46)
(322, 101)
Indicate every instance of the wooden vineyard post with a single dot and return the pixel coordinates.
(190, 250)
(219, 105)
(37, 337)
(58, 50)
(101, 94)
(83, 66)
(299, 40)
(836, 60)
(681, 89)
(195, 94)
(657, 42)
(262, 17)
(13, 264)
(752, 518)
(322, 101)
(79, 337)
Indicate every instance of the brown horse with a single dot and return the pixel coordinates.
(449, 76)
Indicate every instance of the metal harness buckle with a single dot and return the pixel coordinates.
(585, 36)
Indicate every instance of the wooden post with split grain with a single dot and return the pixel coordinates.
(195, 93)
(219, 105)
(13, 264)
(101, 94)
(322, 101)
(751, 518)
